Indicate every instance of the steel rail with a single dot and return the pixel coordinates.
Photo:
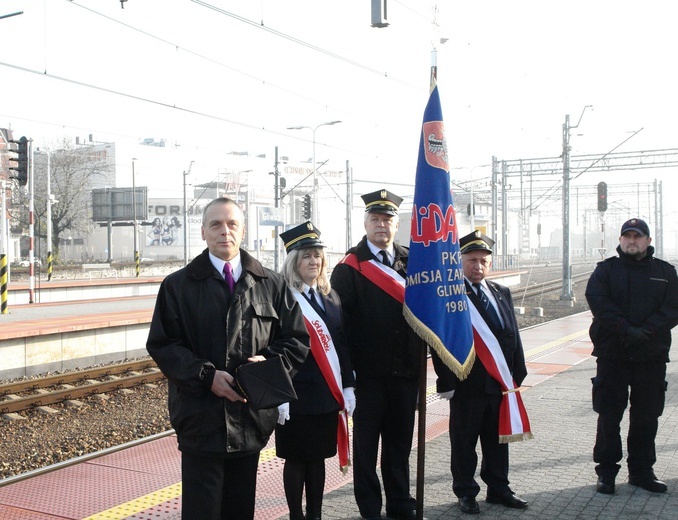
(545, 287)
(16, 387)
(90, 387)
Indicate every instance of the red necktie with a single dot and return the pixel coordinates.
(228, 276)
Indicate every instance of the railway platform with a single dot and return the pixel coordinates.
(553, 472)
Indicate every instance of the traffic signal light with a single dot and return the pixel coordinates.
(21, 159)
(306, 207)
(602, 196)
(538, 229)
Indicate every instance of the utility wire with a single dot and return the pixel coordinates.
(293, 39)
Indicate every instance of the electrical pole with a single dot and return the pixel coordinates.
(276, 188)
(349, 205)
(3, 252)
(566, 295)
(134, 213)
(186, 173)
(31, 225)
(48, 217)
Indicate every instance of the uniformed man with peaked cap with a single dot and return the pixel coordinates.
(385, 353)
(475, 402)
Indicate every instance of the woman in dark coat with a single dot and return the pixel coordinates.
(311, 428)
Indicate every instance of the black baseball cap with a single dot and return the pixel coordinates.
(637, 225)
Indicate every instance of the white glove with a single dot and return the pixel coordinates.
(446, 395)
(349, 400)
(283, 413)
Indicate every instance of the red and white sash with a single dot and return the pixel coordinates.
(325, 354)
(514, 424)
(386, 278)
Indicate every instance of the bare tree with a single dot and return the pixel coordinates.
(74, 172)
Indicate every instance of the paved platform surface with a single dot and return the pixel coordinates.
(553, 472)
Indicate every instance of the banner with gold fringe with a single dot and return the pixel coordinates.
(436, 306)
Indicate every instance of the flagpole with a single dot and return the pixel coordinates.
(423, 371)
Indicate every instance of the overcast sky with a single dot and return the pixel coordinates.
(218, 76)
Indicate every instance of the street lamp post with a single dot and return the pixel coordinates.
(314, 212)
(48, 214)
(48, 217)
(134, 213)
(186, 218)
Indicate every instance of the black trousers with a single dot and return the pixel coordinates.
(473, 417)
(385, 408)
(647, 384)
(217, 487)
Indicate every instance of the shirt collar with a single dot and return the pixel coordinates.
(375, 250)
(305, 288)
(482, 283)
(236, 265)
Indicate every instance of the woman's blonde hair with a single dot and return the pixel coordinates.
(291, 275)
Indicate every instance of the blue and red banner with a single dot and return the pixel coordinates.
(436, 306)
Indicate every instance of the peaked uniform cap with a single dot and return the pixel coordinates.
(382, 201)
(475, 241)
(637, 225)
(303, 236)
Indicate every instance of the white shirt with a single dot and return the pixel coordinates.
(375, 251)
(305, 289)
(490, 296)
(236, 265)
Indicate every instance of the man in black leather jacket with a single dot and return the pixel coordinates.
(634, 301)
(203, 328)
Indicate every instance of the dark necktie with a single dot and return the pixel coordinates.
(314, 301)
(384, 258)
(489, 308)
(228, 276)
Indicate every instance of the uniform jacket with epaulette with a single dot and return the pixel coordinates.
(624, 292)
(381, 342)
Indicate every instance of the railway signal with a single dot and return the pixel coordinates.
(307, 207)
(602, 196)
(21, 160)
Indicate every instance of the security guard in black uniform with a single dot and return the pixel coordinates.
(634, 301)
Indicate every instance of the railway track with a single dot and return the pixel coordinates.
(42, 391)
(539, 289)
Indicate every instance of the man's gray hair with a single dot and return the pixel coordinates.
(220, 200)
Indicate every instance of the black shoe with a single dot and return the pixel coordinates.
(650, 483)
(508, 499)
(377, 517)
(605, 485)
(469, 505)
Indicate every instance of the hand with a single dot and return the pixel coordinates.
(283, 413)
(636, 337)
(222, 385)
(446, 395)
(349, 400)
